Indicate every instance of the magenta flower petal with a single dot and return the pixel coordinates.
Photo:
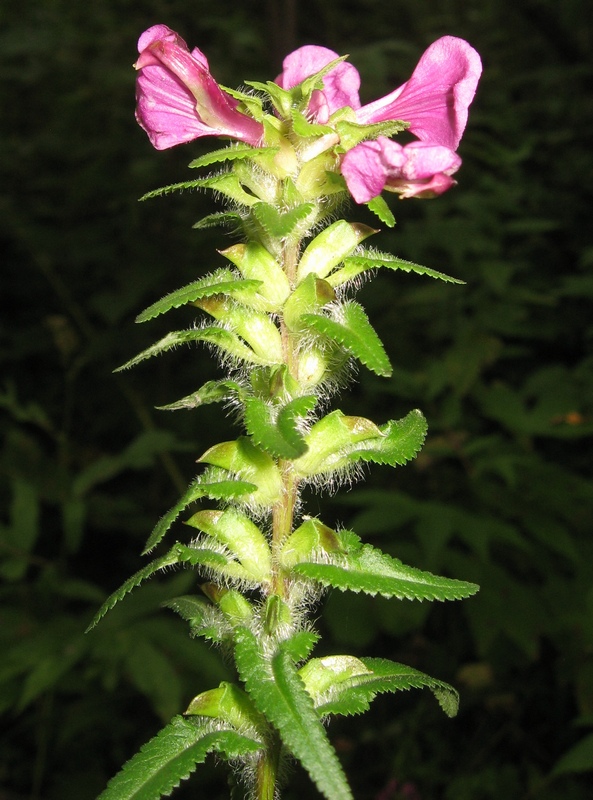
(436, 98)
(418, 169)
(366, 167)
(425, 160)
(340, 85)
(178, 99)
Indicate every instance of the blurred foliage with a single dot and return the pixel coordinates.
(502, 368)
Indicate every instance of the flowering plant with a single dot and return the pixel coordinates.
(283, 321)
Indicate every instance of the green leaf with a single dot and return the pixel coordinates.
(352, 133)
(201, 487)
(355, 265)
(198, 612)
(399, 442)
(276, 430)
(225, 341)
(347, 685)
(302, 126)
(364, 568)
(380, 208)
(338, 441)
(231, 153)
(178, 554)
(353, 331)
(172, 756)
(210, 392)
(278, 692)
(221, 218)
(220, 282)
(283, 224)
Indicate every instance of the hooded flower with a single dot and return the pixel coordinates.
(434, 102)
(178, 100)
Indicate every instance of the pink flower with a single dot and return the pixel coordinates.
(178, 100)
(434, 102)
(418, 169)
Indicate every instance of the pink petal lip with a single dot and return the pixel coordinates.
(178, 100)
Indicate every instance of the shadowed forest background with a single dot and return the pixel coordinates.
(502, 367)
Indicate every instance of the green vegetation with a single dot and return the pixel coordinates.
(502, 368)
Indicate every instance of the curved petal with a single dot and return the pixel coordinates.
(340, 85)
(178, 99)
(435, 100)
(166, 110)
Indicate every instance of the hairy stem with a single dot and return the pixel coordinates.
(267, 770)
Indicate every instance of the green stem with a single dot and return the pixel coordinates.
(267, 770)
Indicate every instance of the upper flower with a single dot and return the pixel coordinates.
(434, 102)
(178, 100)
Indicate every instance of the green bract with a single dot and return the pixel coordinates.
(283, 329)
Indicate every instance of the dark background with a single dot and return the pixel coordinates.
(502, 368)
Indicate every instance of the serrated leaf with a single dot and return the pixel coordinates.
(174, 187)
(221, 282)
(219, 218)
(278, 692)
(194, 610)
(232, 153)
(400, 441)
(217, 490)
(282, 224)
(279, 436)
(353, 331)
(352, 133)
(364, 568)
(355, 265)
(210, 392)
(178, 554)
(135, 580)
(302, 126)
(226, 341)
(172, 756)
(349, 689)
(380, 208)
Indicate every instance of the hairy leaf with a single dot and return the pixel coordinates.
(278, 692)
(353, 331)
(355, 265)
(231, 153)
(282, 224)
(225, 341)
(201, 487)
(364, 568)
(347, 687)
(210, 392)
(172, 756)
(279, 436)
(221, 218)
(178, 554)
(220, 282)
